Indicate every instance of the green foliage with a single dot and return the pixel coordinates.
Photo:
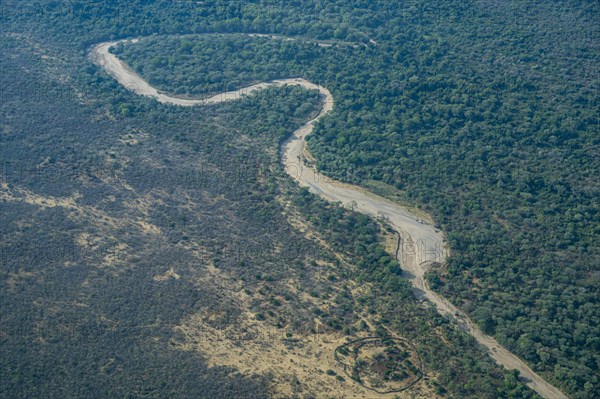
(483, 113)
(467, 141)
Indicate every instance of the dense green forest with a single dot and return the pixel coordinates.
(483, 113)
(512, 221)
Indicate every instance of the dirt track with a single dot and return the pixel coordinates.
(421, 244)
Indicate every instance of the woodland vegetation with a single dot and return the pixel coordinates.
(485, 114)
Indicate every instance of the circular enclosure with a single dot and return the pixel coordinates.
(383, 365)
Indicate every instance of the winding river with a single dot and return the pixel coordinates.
(420, 245)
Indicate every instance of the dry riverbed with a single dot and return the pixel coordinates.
(421, 243)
